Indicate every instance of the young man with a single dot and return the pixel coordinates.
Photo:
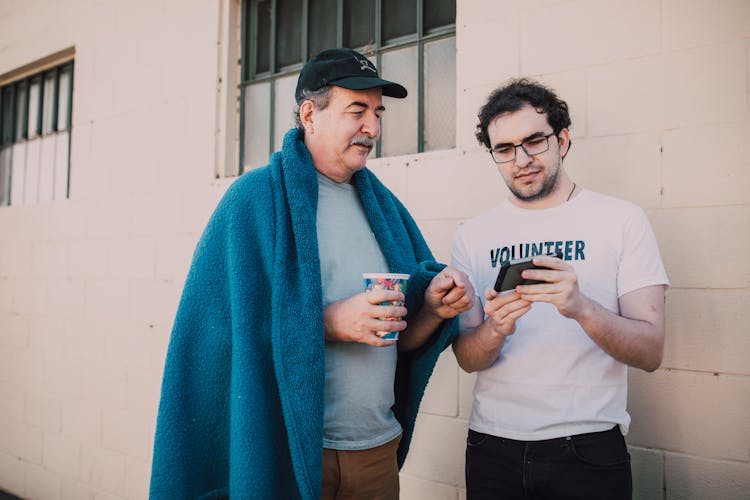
(549, 409)
(275, 354)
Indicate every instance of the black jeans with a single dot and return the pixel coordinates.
(586, 466)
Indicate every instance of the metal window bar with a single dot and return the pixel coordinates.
(379, 59)
(420, 77)
(272, 72)
(69, 121)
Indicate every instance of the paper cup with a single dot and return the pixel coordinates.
(387, 281)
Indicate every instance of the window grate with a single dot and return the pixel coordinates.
(35, 123)
(411, 41)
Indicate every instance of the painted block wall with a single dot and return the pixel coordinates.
(89, 285)
(659, 93)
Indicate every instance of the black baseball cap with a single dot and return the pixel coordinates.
(345, 68)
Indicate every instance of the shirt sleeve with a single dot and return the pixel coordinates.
(640, 261)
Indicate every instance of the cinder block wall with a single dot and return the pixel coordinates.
(659, 94)
(89, 286)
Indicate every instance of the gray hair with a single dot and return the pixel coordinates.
(320, 99)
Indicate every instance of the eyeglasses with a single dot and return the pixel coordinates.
(531, 147)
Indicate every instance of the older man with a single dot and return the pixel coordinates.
(277, 382)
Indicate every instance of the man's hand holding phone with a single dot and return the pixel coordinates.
(504, 303)
(503, 309)
(555, 282)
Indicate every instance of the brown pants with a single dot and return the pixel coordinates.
(361, 474)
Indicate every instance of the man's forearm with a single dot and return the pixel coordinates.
(635, 342)
(478, 349)
(418, 330)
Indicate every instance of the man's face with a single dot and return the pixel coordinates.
(529, 178)
(343, 134)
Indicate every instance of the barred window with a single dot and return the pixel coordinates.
(35, 124)
(412, 42)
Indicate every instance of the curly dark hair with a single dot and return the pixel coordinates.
(516, 94)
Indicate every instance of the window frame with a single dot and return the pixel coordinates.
(38, 72)
(248, 75)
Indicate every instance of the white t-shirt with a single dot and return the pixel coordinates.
(550, 379)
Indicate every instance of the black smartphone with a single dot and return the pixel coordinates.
(509, 275)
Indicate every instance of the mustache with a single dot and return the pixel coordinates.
(363, 141)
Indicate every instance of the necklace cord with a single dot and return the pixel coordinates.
(571, 193)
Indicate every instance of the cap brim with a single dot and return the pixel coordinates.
(390, 89)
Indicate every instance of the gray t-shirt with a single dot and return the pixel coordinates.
(359, 378)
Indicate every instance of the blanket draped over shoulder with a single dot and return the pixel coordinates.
(241, 411)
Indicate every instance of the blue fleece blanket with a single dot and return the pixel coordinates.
(241, 409)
